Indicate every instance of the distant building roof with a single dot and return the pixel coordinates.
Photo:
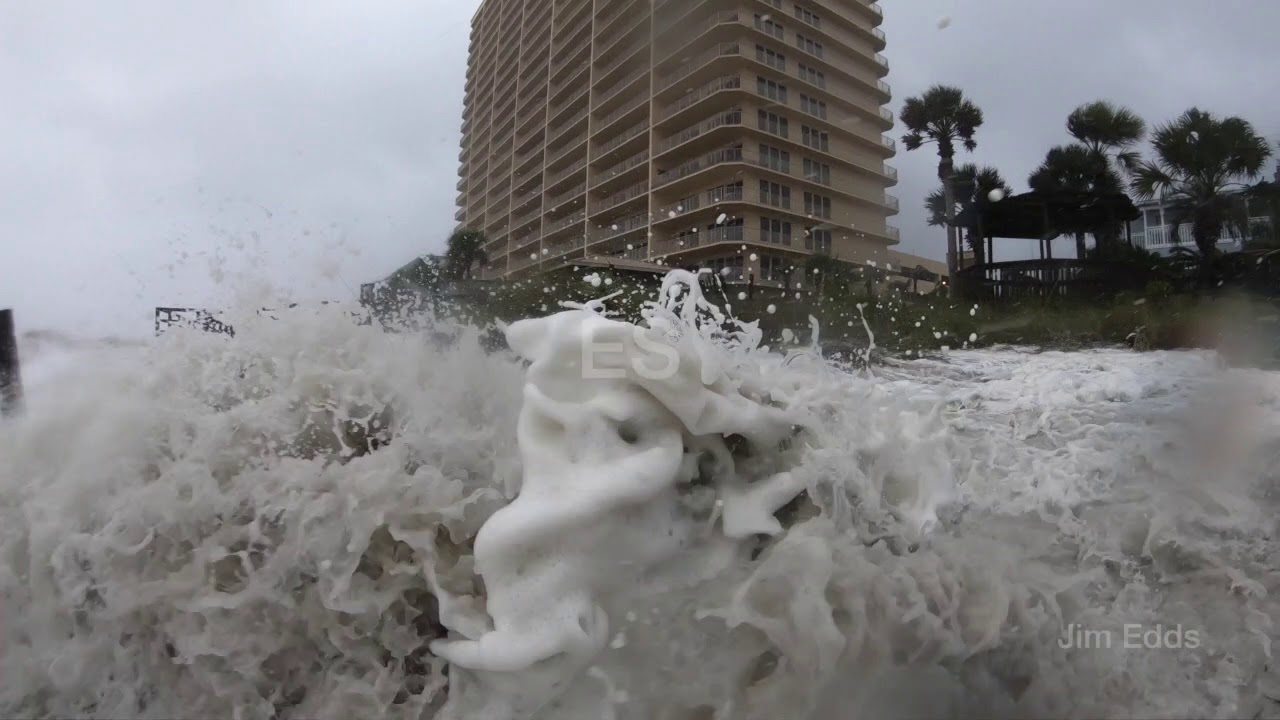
(1039, 215)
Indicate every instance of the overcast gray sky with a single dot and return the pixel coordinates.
(164, 153)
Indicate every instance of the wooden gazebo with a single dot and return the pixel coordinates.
(1042, 217)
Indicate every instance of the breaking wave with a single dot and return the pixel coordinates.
(318, 519)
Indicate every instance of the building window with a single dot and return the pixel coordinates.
(775, 194)
(772, 58)
(818, 241)
(805, 16)
(774, 268)
(773, 123)
(817, 205)
(730, 268)
(775, 159)
(775, 231)
(814, 106)
(817, 172)
(813, 76)
(772, 90)
(809, 45)
(765, 25)
(816, 139)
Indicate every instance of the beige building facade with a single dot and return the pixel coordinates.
(742, 135)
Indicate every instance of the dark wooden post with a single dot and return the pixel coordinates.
(10, 374)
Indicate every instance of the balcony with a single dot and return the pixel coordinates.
(708, 198)
(888, 142)
(521, 221)
(892, 232)
(566, 134)
(696, 64)
(574, 102)
(565, 223)
(720, 84)
(623, 89)
(621, 169)
(693, 34)
(711, 159)
(640, 189)
(724, 119)
(625, 42)
(566, 197)
(622, 60)
(622, 112)
(730, 233)
(560, 249)
(460, 215)
(631, 133)
(891, 202)
(575, 59)
(571, 147)
(622, 227)
(560, 175)
(604, 24)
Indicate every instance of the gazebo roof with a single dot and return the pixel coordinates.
(1039, 215)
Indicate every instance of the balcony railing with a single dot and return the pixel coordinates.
(623, 86)
(886, 114)
(709, 198)
(616, 199)
(882, 61)
(887, 171)
(531, 215)
(690, 32)
(562, 248)
(568, 149)
(618, 62)
(884, 87)
(566, 172)
(888, 142)
(623, 111)
(684, 71)
(565, 197)
(892, 232)
(891, 201)
(520, 262)
(603, 22)
(724, 119)
(560, 108)
(727, 82)
(565, 222)
(634, 161)
(731, 233)
(625, 136)
(717, 157)
(622, 227)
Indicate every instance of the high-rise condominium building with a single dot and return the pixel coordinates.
(677, 129)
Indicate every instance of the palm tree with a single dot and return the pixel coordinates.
(1076, 169)
(970, 183)
(943, 116)
(1202, 164)
(465, 250)
(1109, 131)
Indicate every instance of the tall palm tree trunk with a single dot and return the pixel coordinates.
(945, 171)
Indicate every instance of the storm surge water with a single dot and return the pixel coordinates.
(317, 519)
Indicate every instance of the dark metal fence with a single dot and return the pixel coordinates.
(10, 371)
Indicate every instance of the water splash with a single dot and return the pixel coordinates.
(286, 525)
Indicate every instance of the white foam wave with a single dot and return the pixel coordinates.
(322, 520)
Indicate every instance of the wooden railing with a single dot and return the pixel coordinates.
(1021, 279)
